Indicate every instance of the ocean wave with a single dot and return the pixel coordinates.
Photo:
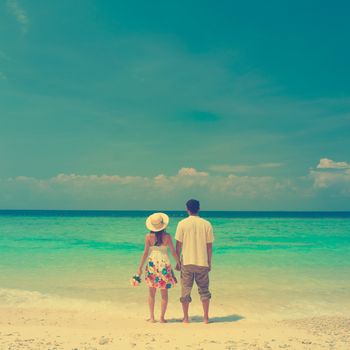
(30, 299)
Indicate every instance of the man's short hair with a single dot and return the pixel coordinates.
(193, 206)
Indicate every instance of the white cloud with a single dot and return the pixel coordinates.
(326, 163)
(191, 172)
(270, 165)
(332, 175)
(94, 179)
(249, 186)
(20, 14)
(241, 168)
(338, 181)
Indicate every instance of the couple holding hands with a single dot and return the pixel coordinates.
(194, 237)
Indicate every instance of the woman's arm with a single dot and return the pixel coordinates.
(172, 249)
(144, 256)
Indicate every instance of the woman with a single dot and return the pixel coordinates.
(159, 273)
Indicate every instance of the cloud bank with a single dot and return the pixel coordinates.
(231, 185)
(220, 191)
(115, 191)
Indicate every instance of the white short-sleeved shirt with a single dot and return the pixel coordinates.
(194, 233)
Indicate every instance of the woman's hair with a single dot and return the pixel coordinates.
(159, 237)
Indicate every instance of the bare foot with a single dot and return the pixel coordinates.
(206, 320)
(186, 320)
(151, 320)
(163, 320)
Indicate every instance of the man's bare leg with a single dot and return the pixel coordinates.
(205, 303)
(185, 306)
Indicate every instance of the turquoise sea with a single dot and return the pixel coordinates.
(271, 262)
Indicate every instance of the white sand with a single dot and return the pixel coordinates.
(23, 327)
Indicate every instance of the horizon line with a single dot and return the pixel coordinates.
(184, 210)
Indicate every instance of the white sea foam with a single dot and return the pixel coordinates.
(29, 299)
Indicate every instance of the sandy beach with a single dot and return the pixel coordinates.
(77, 327)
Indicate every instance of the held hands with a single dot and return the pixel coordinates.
(178, 266)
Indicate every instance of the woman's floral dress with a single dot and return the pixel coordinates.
(159, 273)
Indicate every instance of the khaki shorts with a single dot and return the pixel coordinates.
(191, 273)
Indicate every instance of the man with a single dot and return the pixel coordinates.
(194, 237)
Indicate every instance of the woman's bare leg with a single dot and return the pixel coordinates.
(151, 302)
(164, 293)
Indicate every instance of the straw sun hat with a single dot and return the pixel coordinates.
(157, 222)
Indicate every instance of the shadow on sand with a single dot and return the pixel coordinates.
(218, 319)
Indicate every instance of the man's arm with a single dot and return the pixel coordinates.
(209, 252)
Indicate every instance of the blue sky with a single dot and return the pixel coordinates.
(114, 105)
